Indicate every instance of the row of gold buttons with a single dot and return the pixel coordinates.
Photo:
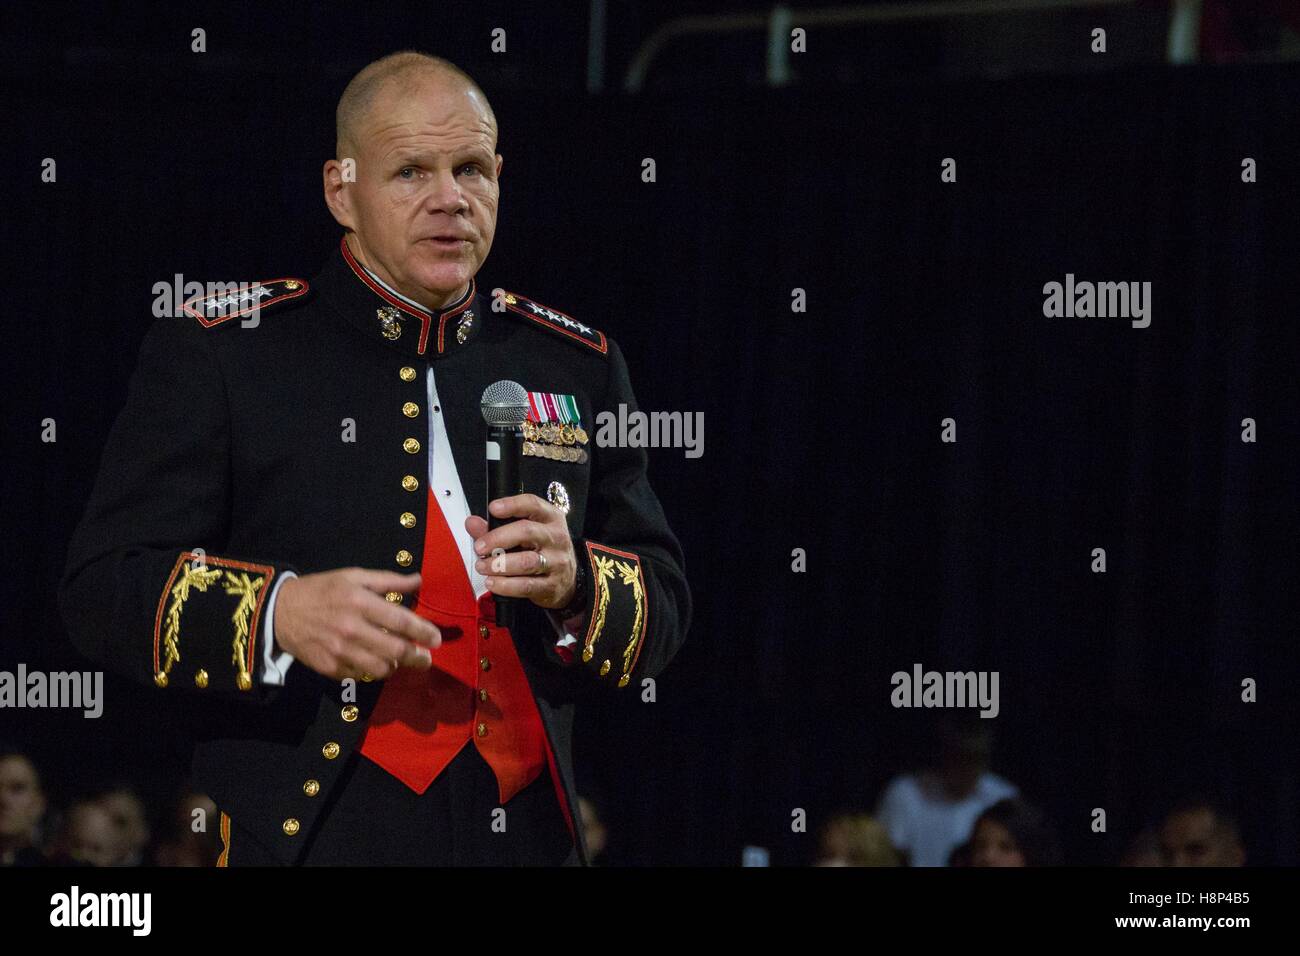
(486, 665)
(411, 446)
(404, 558)
(311, 788)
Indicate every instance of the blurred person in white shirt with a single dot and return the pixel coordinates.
(931, 812)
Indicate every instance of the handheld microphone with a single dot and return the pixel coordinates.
(505, 407)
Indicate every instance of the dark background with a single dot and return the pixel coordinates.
(1119, 690)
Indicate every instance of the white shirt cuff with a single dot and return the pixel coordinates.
(274, 666)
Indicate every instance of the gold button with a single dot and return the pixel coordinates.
(410, 409)
(410, 483)
(407, 373)
(482, 693)
(483, 631)
(290, 827)
(292, 284)
(482, 730)
(604, 668)
(393, 597)
(201, 679)
(404, 558)
(349, 713)
(330, 750)
(367, 679)
(160, 679)
(485, 663)
(622, 681)
(411, 446)
(311, 788)
(407, 520)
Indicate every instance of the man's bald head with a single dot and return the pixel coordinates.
(402, 72)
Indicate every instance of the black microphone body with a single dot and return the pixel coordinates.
(503, 453)
(505, 446)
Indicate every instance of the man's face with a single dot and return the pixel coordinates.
(1195, 838)
(21, 800)
(424, 204)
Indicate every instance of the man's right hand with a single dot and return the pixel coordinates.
(339, 624)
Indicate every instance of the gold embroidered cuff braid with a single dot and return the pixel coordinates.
(617, 623)
(207, 622)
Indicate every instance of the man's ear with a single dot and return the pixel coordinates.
(499, 163)
(336, 175)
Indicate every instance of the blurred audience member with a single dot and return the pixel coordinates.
(22, 807)
(130, 824)
(89, 835)
(194, 838)
(1144, 850)
(929, 813)
(593, 828)
(1013, 833)
(1233, 31)
(1200, 832)
(856, 840)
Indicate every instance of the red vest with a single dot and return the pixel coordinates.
(476, 689)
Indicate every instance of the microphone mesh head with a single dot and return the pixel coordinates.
(505, 403)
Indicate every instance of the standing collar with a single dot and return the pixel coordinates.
(393, 319)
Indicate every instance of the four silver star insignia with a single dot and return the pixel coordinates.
(562, 319)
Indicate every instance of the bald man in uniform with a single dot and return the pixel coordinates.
(289, 517)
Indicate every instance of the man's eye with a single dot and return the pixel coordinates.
(407, 172)
(473, 166)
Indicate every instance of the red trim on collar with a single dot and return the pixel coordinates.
(424, 317)
(384, 294)
(442, 323)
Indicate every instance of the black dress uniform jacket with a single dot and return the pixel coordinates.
(228, 467)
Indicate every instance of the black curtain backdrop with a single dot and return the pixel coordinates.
(822, 429)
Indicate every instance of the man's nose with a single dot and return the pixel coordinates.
(445, 194)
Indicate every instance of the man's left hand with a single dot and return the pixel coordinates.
(539, 529)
